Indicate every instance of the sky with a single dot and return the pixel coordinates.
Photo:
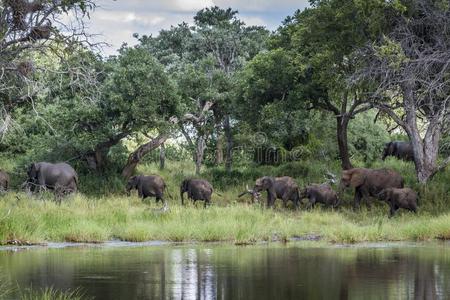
(117, 20)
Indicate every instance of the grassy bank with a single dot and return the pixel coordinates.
(102, 212)
(81, 219)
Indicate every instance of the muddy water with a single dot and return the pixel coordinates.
(296, 271)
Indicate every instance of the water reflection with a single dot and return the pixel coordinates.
(227, 272)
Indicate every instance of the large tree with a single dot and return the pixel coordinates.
(95, 109)
(203, 60)
(29, 29)
(408, 71)
(320, 41)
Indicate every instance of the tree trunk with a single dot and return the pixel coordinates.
(425, 150)
(199, 153)
(140, 152)
(219, 140)
(229, 136)
(219, 150)
(342, 126)
(162, 156)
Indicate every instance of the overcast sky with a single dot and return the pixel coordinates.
(116, 21)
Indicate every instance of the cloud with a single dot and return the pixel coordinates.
(116, 21)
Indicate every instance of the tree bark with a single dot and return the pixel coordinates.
(342, 139)
(162, 156)
(140, 152)
(219, 150)
(199, 153)
(229, 136)
(425, 150)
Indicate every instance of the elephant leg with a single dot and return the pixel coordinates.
(393, 210)
(357, 199)
(297, 204)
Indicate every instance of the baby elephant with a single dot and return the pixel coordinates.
(4, 181)
(320, 193)
(197, 189)
(147, 186)
(399, 198)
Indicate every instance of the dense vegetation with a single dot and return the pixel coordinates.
(230, 103)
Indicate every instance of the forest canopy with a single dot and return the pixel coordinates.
(335, 81)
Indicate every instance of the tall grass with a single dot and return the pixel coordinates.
(108, 214)
(82, 219)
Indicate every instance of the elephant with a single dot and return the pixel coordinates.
(284, 188)
(401, 150)
(400, 198)
(320, 193)
(370, 182)
(197, 189)
(147, 186)
(4, 181)
(59, 177)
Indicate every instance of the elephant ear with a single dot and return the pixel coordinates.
(357, 178)
(32, 171)
(132, 180)
(268, 181)
(184, 184)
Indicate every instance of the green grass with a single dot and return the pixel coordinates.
(8, 290)
(88, 217)
(82, 219)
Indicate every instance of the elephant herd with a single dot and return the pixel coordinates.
(384, 184)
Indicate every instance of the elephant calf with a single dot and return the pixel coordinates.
(284, 188)
(147, 186)
(399, 198)
(4, 181)
(320, 193)
(196, 189)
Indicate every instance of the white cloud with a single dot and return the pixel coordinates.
(191, 5)
(116, 21)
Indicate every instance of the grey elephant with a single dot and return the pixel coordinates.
(4, 181)
(398, 149)
(370, 182)
(196, 189)
(400, 198)
(59, 177)
(148, 186)
(284, 188)
(320, 193)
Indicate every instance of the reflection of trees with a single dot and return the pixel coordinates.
(237, 273)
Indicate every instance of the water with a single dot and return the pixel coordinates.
(229, 272)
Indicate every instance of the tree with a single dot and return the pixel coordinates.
(121, 98)
(321, 41)
(28, 28)
(408, 73)
(203, 60)
(223, 36)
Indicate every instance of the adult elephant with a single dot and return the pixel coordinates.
(148, 186)
(398, 149)
(196, 189)
(4, 181)
(370, 182)
(59, 177)
(284, 188)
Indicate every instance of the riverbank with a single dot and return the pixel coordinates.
(86, 220)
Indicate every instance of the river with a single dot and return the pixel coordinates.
(221, 271)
